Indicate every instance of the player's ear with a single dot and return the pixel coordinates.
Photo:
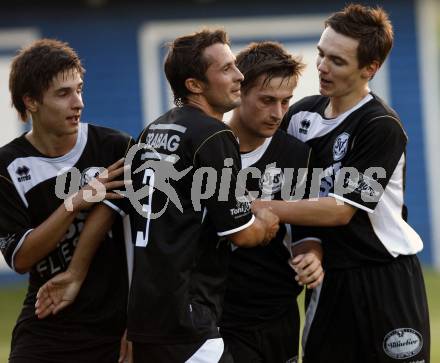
(194, 85)
(30, 103)
(370, 70)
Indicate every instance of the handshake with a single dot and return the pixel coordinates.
(270, 221)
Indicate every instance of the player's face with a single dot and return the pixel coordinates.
(264, 105)
(337, 63)
(60, 110)
(222, 90)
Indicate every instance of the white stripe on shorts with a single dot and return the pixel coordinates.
(209, 352)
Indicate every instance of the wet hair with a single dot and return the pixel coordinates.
(370, 26)
(185, 60)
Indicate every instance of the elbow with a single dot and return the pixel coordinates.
(342, 220)
(343, 217)
(242, 239)
(20, 266)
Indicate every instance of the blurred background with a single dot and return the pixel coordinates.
(121, 44)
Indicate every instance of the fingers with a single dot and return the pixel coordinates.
(63, 304)
(317, 282)
(111, 195)
(44, 304)
(113, 171)
(114, 184)
(43, 313)
(116, 165)
(123, 350)
(309, 270)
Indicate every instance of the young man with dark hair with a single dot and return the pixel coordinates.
(260, 321)
(181, 256)
(372, 305)
(181, 244)
(39, 232)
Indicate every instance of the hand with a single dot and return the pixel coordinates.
(98, 188)
(308, 269)
(257, 205)
(126, 351)
(271, 221)
(58, 293)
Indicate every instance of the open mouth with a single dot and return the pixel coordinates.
(74, 119)
(325, 81)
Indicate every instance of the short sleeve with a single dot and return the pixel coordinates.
(219, 156)
(376, 152)
(15, 223)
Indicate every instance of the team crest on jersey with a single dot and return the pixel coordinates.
(271, 181)
(340, 146)
(90, 173)
(402, 343)
(23, 173)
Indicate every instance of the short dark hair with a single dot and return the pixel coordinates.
(185, 60)
(370, 26)
(270, 59)
(35, 66)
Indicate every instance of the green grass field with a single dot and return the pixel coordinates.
(11, 299)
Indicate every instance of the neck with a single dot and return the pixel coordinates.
(50, 144)
(339, 105)
(200, 103)
(248, 141)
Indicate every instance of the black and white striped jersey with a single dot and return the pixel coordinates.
(261, 285)
(361, 154)
(189, 163)
(28, 198)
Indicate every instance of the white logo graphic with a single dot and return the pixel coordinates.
(340, 146)
(90, 173)
(402, 343)
(271, 181)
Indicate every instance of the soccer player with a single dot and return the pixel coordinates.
(39, 230)
(181, 255)
(372, 304)
(188, 161)
(260, 321)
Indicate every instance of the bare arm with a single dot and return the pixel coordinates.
(323, 212)
(44, 238)
(264, 229)
(96, 226)
(61, 290)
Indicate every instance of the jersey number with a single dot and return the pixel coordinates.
(142, 236)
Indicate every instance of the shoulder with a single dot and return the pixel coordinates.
(305, 104)
(290, 149)
(109, 138)
(290, 143)
(11, 151)
(284, 138)
(107, 134)
(203, 129)
(377, 115)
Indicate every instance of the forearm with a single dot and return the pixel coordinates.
(97, 224)
(324, 212)
(43, 239)
(251, 236)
